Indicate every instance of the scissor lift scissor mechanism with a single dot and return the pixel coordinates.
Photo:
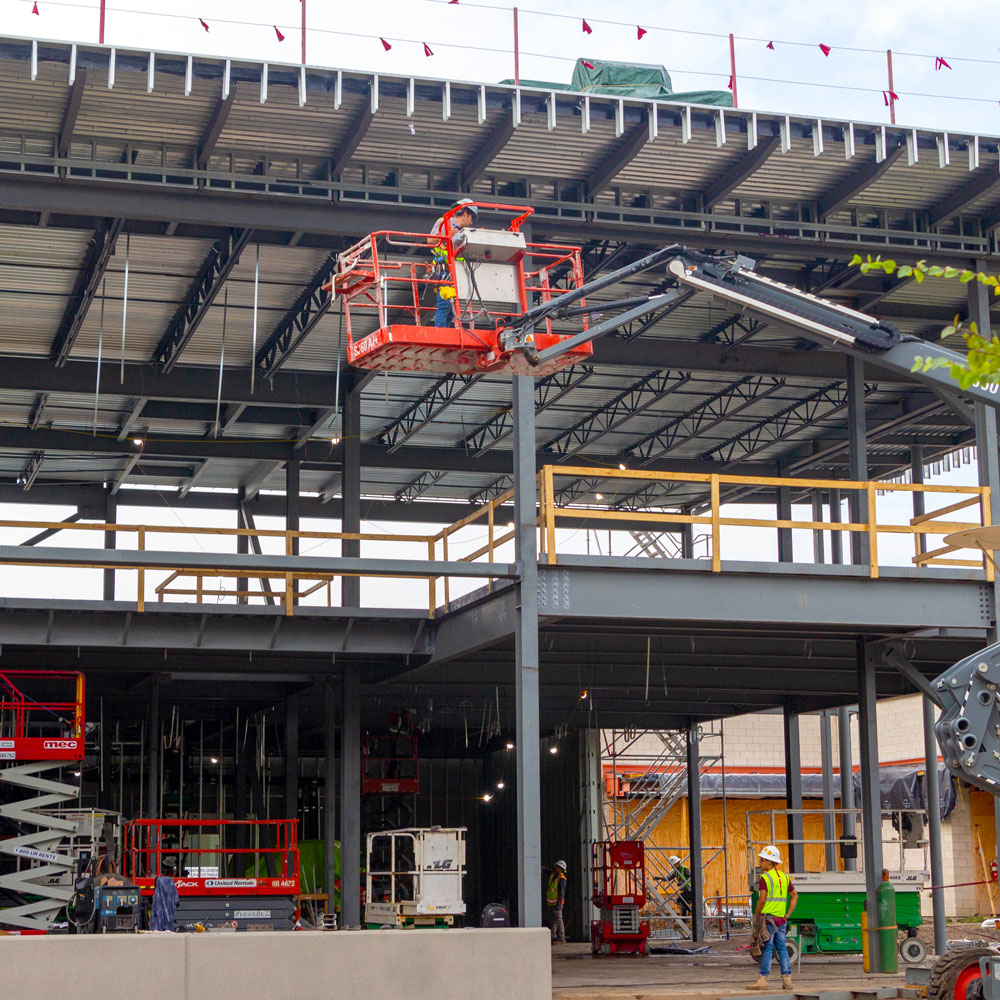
(37, 734)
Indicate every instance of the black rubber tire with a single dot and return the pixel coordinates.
(946, 970)
(793, 947)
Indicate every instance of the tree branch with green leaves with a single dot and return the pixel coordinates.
(982, 353)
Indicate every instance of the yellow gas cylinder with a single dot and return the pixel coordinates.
(865, 957)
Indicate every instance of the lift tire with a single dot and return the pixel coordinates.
(912, 950)
(956, 976)
(793, 947)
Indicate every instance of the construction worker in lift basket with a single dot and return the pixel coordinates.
(444, 315)
(555, 900)
(776, 901)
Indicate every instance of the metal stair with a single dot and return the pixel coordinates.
(650, 795)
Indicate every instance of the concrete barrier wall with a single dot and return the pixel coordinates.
(405, 965)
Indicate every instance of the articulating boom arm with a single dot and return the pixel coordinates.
(733, 280)
(968, 730)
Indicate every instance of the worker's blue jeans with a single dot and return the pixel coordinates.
(444, 315)
(775, 943)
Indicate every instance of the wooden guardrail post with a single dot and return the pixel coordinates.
(716, 529)
(140, 602)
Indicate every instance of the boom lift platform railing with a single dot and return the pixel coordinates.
(491, 276)
(37, 735)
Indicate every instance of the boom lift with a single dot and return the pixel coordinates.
(522, 307)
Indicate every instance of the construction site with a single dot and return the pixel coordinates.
(504, 511)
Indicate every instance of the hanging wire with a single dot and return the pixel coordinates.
(100, 347)
(253, 353)
(222, 356)
(128, 247)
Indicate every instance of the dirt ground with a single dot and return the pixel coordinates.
(723, 972)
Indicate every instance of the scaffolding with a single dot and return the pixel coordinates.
(645, 774)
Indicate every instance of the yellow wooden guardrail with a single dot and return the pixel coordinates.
(919, 527)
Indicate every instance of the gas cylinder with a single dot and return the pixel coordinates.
(887, 930)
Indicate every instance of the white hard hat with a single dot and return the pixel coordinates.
(561, 864)
(771, 853)
(674, 860)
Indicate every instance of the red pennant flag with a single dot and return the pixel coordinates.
(587, 64)
(730, 84)
(640, 32)
(770, 45)
(452, 1)
(939, 62)
(385, 44)
(202, 23)
(888, 95)
(587, 29)
(825, 49)
(281, 37)
(34, 9)
(427, 50)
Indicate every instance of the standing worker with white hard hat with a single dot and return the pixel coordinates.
(555, 900)
(775, 902)
(464, 214)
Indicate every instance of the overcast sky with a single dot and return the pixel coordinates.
(845, 84)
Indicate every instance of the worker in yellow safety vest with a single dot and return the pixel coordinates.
(468, 213)
(555, 900)
(776, 901)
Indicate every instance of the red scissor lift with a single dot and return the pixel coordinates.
(620, 893)
(40, 731)
(496, 275)
(229, 872)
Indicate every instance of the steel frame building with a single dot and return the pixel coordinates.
(141, 191)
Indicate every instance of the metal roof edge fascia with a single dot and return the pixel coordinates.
(93, 55)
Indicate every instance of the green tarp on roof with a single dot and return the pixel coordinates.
(616, 79)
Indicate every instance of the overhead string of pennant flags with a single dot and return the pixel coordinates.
(889, 94)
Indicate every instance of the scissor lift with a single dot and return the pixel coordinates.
(619, 869)
(37, 734)
(495, 274)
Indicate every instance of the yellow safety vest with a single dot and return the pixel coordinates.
(552, 889)
(777, 884)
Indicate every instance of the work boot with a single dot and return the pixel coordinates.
(786, 982)
(759, 984)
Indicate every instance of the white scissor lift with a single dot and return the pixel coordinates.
(414, 877)
(38, 733)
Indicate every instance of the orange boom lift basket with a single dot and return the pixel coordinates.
(390, 284)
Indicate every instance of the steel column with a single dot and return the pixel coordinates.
(110, 541)
(917, 478)
(934, 827)
(784, 506)
(153, 806)
(694, 834)
(350, 797)
(330, 783)
(819, 556)
(292, 756)
(793, 789)
(242, 549)
(987, 456)
(350, 586)
(590, 817)
(687, 541)
(871, 805)
(292, 510)
(857, 451)
(836, 537)
(529, 855)
(846, 783)
(829, 820)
